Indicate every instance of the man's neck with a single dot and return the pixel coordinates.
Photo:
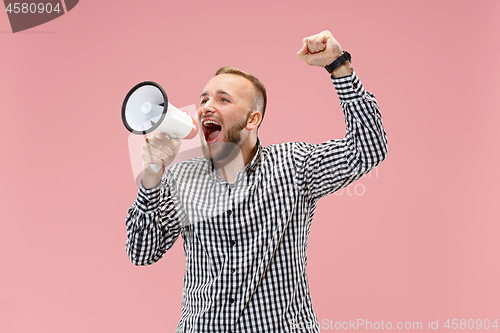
(228, 169)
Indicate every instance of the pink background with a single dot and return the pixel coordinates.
(416, 240)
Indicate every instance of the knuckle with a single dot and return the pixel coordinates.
(169, 152)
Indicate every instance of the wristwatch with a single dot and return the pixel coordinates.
(338, 62)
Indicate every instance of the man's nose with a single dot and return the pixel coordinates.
(207, 107)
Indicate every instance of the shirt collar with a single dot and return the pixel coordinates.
(254, 163)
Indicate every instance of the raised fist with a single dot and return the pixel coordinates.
(320, 49)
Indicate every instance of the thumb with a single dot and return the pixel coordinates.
(303, 51)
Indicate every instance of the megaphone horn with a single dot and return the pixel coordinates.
(146, 109)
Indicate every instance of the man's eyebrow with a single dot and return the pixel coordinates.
(219, 92)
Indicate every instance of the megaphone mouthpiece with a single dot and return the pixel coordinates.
(188, 123)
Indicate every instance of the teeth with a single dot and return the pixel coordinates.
(210, 122)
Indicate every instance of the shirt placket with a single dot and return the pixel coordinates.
(232, 248)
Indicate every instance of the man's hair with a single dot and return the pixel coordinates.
(260, 91)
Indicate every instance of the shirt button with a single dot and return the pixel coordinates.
(233, 270)
(229, 212)
(231, 186)
(232, 242)
(231, 300)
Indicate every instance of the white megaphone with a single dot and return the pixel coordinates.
(146, 109)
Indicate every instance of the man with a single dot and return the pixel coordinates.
(244, 211)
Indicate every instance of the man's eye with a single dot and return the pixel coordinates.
(224, 100)
(203, 101)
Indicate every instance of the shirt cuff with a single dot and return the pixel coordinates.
(147, 199)
(349, 88)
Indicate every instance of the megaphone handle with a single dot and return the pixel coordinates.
(156, 168)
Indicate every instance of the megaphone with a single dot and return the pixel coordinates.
(146, 109)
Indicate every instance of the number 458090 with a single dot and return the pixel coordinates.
(32, 8)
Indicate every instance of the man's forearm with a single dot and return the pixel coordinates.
(364, 128)
(148, 236)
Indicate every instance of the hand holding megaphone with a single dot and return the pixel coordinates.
(146, 109)
(158, 151)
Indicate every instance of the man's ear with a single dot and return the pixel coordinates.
(253, 120)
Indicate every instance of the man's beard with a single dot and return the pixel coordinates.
(228, 148)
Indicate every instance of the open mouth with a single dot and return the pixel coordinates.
(211, 130)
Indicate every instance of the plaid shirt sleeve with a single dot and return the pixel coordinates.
(327, 167)
(153, 224)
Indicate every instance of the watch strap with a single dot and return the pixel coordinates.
(338, 62)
